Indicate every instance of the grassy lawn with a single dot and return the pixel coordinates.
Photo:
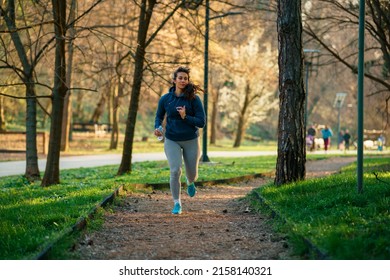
(32, 217)
(84, 144)
(328, 211)
(330, 214)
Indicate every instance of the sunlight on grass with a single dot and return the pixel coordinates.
(330, 212)
(32, 216)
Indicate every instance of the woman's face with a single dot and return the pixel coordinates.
(181, 80)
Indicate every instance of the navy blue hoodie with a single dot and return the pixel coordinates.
(176, 128)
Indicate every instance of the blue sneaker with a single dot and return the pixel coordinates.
(191, 190)
(176, 209)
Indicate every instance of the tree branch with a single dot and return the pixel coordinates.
(17, 29)
(380, 180)
(25, 97)
(353, 68)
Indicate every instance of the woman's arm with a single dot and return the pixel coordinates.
(160, 113)
(199, 118)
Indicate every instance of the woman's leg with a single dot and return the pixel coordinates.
(174, 156)
(191, 155)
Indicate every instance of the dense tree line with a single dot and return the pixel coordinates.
(99, 61)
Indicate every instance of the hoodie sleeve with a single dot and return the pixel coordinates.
(199, 118)
(160, 113)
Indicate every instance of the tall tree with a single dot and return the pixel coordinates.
(27, 76)
(146, 11)
(291, 157)
(67, 117)
(52, 172)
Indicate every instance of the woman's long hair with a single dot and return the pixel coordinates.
(191, 89)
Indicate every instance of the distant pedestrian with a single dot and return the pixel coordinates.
(326, 135)
(347, 139)
(381, 142)
(311, 132)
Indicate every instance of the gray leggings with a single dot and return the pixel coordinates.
(175, 151)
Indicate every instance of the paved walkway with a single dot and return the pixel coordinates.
(18, 167)
(8, 168)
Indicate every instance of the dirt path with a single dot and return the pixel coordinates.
(216, 224)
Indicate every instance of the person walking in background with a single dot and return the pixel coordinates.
(381, 142)
(326, 135)
(311, 132)
(347, 139)
(184, 116)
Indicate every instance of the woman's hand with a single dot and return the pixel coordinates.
(182, 111)
(158, 132)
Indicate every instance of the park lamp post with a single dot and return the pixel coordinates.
(308, 59)
(360, 96)
(338, 103)
(205, 157)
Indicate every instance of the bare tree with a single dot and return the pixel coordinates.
(27, 76)
(67, 117)
(52, 171)
(291, 157)
(146, 11)
(341, 18)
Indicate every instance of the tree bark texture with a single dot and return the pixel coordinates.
(147, 7)
(291, 156)
(32, 169)
(52, 172)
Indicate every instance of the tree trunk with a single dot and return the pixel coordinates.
(52, 172)
(32, 170)
(242, 118)
(213, 120)
(115, 116)
(67, 117)
(291, 157)
(240, 132)
(99, 110)
(2, 118)
(110, 103)
(145, 16)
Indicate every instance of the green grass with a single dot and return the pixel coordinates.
(328, 211)
(83, 145)
(32, 217)
(332, 215)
